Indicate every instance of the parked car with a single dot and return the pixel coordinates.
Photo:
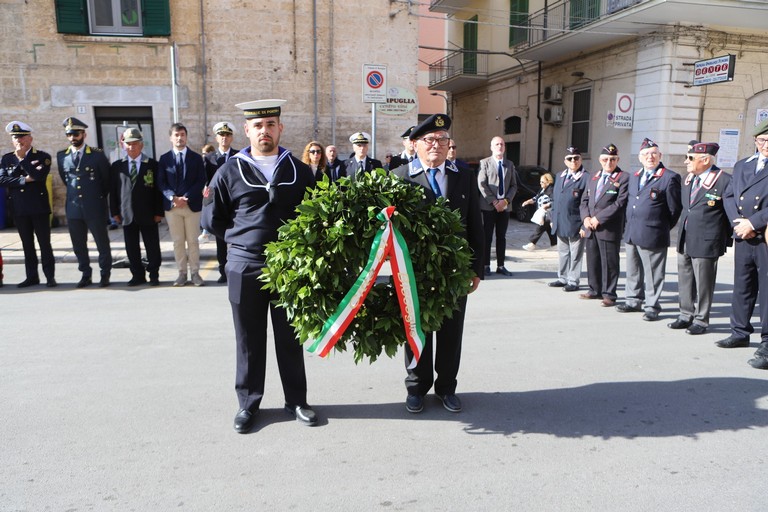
(528, 185)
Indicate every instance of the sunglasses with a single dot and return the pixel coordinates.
(572, 158)
(451, 147)
(314, 151)
(690, 158)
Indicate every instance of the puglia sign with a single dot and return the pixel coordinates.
(399, 101)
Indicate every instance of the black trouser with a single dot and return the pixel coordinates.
(78, 232)
(540, 230)
(151, 237)
(497, 222)
(250, 303)
(447, 357)
(750, 278)
(221, 255)
(29, 226)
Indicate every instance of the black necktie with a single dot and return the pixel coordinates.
(695, 189)
(179, 166)
(76, 159)
(362, 168)
(501, 179)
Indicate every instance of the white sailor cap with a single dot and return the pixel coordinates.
(360, 138)
(223, 127)
(261, 108)
(18, 128)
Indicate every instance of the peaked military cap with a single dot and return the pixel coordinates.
(73, 124)
(18, 128)
(692, 143)
(407, 132)
(360, 138)
(434, 123)
(705, 148)
(132, 135)
(610, 150)
(223, 127)
(261, 108)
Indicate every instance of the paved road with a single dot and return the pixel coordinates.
(121, 399)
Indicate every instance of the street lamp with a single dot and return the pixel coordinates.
(447, 109)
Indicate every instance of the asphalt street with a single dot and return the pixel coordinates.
(121, 399)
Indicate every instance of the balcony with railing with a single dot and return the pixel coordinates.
(459, 71)
(570, 26)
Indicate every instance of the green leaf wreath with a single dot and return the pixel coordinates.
(320, 253)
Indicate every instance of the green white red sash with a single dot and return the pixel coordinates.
(388, 244)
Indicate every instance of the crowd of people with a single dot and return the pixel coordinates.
(241, 198)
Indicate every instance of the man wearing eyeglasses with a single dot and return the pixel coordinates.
(440, 178)
(566, 221)
(653, 209)
(746, 203)
(497, 183)
(702, 237)
(602, 208)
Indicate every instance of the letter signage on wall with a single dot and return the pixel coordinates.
(712, 71)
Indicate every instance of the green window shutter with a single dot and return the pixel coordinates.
(71, 16)
(518, 16)
(157, 17)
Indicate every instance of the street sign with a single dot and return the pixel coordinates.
(374, 83)
(712, 71)
(625, 111)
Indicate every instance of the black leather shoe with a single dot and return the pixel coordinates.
(487, 270)
(222, 279)
(244, 421)
(304, 414)
(556, 284)
(733, 342)
(759, 362)
(571, 288)
(650, 316)
(503, 271)
(679, 324)
(136, 281)
(51, 283)
(696, 329)
(626, 308)
(414, 403)
(451, 402)
(85, 281)
(154, 281)
(27, 283)
(104, 282)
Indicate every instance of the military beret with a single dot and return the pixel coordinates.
(610, 150)
(73, 124)
(434, 123)
(407, 132)
(18, 128)
(223, 127)
(359, 138)
(705, 148)
(261, 108)
(760, 129)
(572, 150)
(647, 143)
(132, 135)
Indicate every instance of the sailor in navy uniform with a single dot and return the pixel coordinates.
(746, 203)
(566, 220)
(224, 151)
(440, 178)
(85, 171)
(602, 208)
(702, 237)
(360, 161)
(653, 209)
(248, 199)
(24, 172)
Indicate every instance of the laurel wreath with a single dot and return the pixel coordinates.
(320, 253)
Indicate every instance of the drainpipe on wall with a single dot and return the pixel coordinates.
(538, 115)
(333, 75)
(315, 129)
(204, 71)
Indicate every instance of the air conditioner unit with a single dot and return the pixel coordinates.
(553, 115)
(553, 94)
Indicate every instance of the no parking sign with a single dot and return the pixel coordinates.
(625, 111)
(374, 83)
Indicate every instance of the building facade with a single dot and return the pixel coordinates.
(546, 74)
(110, 63)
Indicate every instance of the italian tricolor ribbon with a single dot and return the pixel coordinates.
(388, 244)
